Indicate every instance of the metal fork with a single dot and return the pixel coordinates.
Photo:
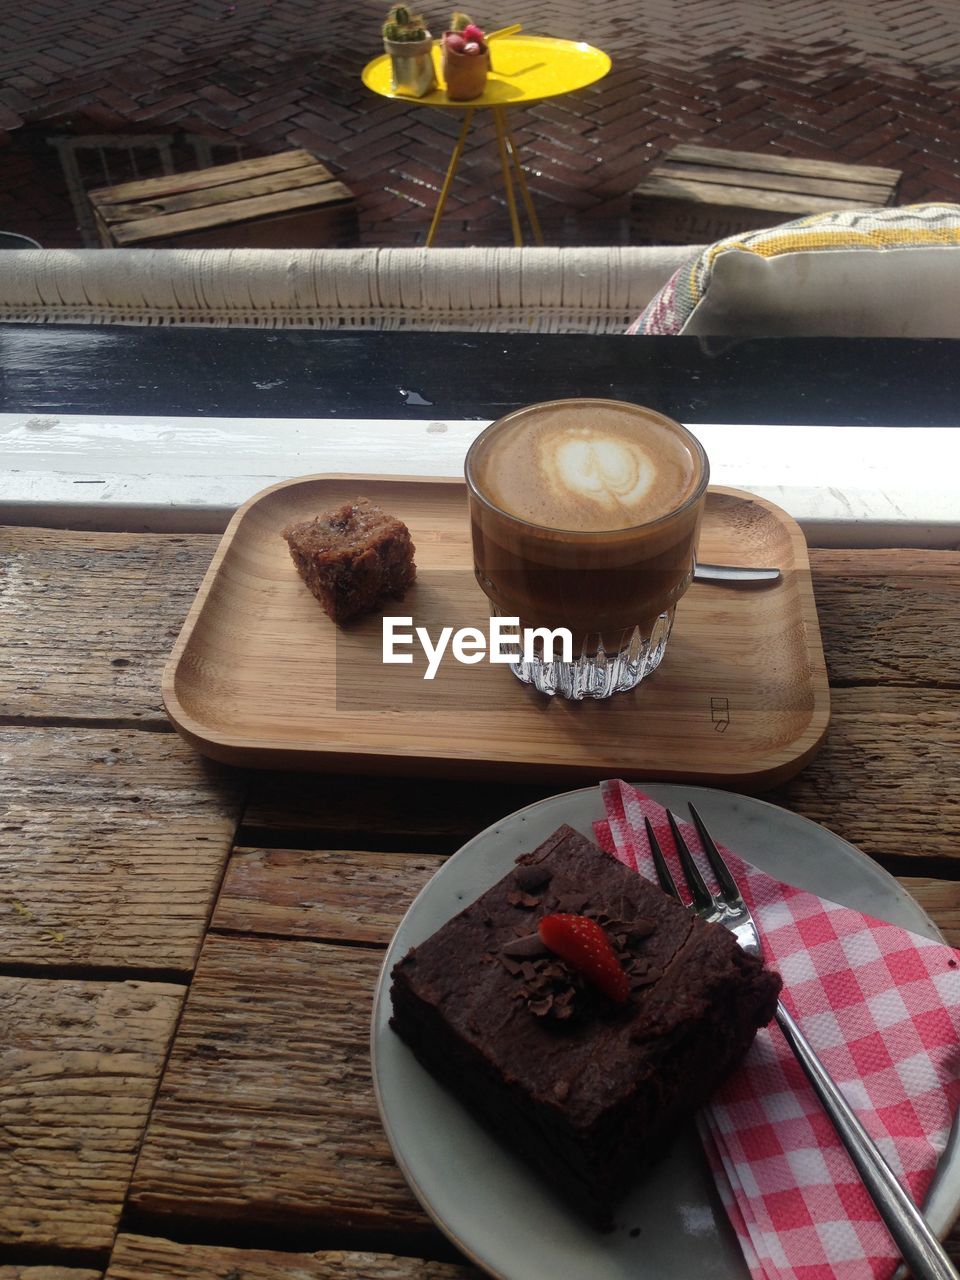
(920, 1248)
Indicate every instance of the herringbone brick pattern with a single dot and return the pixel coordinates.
(875, 81)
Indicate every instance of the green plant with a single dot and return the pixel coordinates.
(459, 21)
(403, 26)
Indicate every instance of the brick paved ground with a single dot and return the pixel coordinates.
(876, 81)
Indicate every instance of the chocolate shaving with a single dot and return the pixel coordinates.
(640, 929)
(531, 877)
(530, 944)
(563, 1003)
(547, 985)
(517, 898)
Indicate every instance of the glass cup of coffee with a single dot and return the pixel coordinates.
(584, 515)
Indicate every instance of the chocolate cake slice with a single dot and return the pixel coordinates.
(585, 1088)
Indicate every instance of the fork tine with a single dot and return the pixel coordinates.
(726, 881)
(702, 898)
(667, 882)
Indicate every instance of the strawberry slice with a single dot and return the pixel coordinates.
(585, 947)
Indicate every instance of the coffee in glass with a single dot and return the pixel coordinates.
(584, 515)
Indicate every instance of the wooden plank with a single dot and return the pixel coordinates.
(889, 616)
(676, 222)
(331, 228)
(737, 197)
(81, 1062)
(152, 1258)
(801, 184)
(225, 193)
(413, 813)
(322, 196)
(88, 620)
(133, 831)
(328, 894)
(941, 901)
(103, 231)
(770, 162)
(266, 1113)
(344, 895)
(16, 1272)
(198, 179)
(888, 776)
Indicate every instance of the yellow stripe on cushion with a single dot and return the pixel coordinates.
(846, 238)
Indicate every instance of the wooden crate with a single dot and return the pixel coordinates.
(288, 201)
(699, 194)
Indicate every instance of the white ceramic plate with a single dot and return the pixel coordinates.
(672, 1226)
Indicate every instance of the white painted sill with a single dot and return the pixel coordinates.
(847, 486)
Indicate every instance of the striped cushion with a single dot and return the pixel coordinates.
(872, 273)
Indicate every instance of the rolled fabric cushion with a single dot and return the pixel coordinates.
(503, 289)
(872, 273)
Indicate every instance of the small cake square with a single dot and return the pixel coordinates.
(353, 558)
(587, 1082)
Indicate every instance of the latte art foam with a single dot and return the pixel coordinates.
(587, 467)
(584, 464)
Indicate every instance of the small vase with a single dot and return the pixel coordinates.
(465, 74)
(411, 66)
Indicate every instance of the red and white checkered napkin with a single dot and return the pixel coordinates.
(881, 1006)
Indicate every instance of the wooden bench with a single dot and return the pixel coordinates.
(285, 201)
(701, 194)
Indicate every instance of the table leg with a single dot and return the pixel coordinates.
(451, 170)
(505, 168)
(524, 191)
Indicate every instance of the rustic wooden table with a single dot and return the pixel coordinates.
(188, 953)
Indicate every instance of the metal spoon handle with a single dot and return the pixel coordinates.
(731, 575)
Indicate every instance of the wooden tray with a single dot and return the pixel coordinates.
(260, 676)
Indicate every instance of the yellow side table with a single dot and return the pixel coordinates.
(525, 69)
